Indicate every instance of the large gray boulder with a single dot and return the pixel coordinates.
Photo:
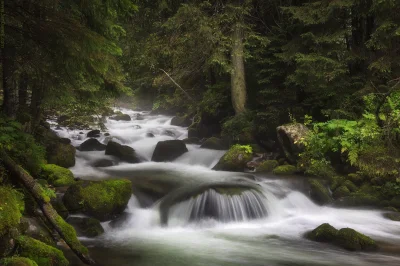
(289, 137)
(122, 152)
(169, 150)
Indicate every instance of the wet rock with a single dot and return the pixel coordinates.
(235, 159)
(59, 206)
(106, 134)
(35, 228)
(103, 163)
(61, 119)
(341, 192)
(352, 240)
(181, 121)
(168, 150)
(150, 135)
(267, 166)
(61, 154)
(86, 226)
(121, 117)
(65, 141)
(323, 233)
(319, 193)
(122, 152)
(289, 137)
(121, 220)
(92, 145)
(93, 133)
(214, 143)
(136, 127)
(192, 140)
(103, 200)
(285, 170)
(169, 133)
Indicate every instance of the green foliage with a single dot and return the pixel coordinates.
(285, 170)
(11, 208)
(21, 146)
(239, 128)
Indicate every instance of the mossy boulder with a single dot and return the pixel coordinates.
(323, 233)
(86, 226)
(57, 175)
(352, 240)
(214, 143)
(122, 152)
(267, 166)
(341, 192)
(11, 206)
(17, 261)
(61, 154)
(103, 200)
(350, 185)
(168, 150)
(336, 181)
(289, 137)
(358, 200)
(285, 170)
(92, 145)
(121, 117)
(42, 254)
(319, 192)
(235, 159)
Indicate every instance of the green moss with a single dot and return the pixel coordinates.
(352, 240)
(61, 154)
(285, 170)
(11, 207)
(230, 191)
(319, 193)
(350, 185)
(57, 175)
(355, 178)
(70, 235)
(86, 226)
(42, 254)
(336, 181)
(340, 192)
(323, 233)
(17, 261)
(235, 158)
(267, 166)
(102, 199)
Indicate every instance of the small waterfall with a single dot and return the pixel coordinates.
(223, 207)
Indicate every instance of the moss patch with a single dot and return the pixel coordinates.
(350, 185)
(11, 207)
(42, 254)
(323, 233)
(267, 166)
(352, 240)
(319, 193)
(235, 158)
(17, 261)
(61, 154)
(340, 192)
(70, 235)
(285, 170)
(57, 175)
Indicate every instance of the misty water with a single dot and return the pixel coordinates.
(261, 226)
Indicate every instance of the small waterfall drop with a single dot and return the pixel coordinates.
(222, 207)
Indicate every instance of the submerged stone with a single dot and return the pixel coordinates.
(168, 150)
(122, 152)
(92, 145)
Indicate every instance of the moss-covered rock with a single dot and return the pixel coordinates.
(86, 226)
(214, 143)
(102, 200)
(11, 207)
(235, 159)
(352, 240)
(42, 254)
(57, 175)
(350, 185)
(61, 154)
(341, 192)
(36, 228)
(122, 152)
(357, 179)
(394, 216)
(336, 181)
(59, 206)
(323, 233)
(357, 200)
(17, 261)
(285, 170)
(319, 193)
(267, 166)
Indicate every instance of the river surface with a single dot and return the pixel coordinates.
(275, 238)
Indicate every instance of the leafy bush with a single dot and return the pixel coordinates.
(239, 128)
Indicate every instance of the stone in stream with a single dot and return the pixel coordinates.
(93, 133)
(103, 163)
(181, 121)
(319, 193)
(168, 150)
(103, 200)
(214, 143)
(150, 135)
(346, 238)
(122, 152)
(56, 175)
(92, 145)
(121, 220)
(121, 117)
(192, 140)
(235, 159)
(86, 226)
(61, 154)
(289, 137)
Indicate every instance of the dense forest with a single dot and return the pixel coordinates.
(290, 88)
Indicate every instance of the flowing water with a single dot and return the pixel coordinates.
(262, 225)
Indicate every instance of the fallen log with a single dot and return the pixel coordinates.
(65, 230)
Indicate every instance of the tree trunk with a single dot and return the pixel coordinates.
(65, 230)
(238, 83)
(23, 93)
